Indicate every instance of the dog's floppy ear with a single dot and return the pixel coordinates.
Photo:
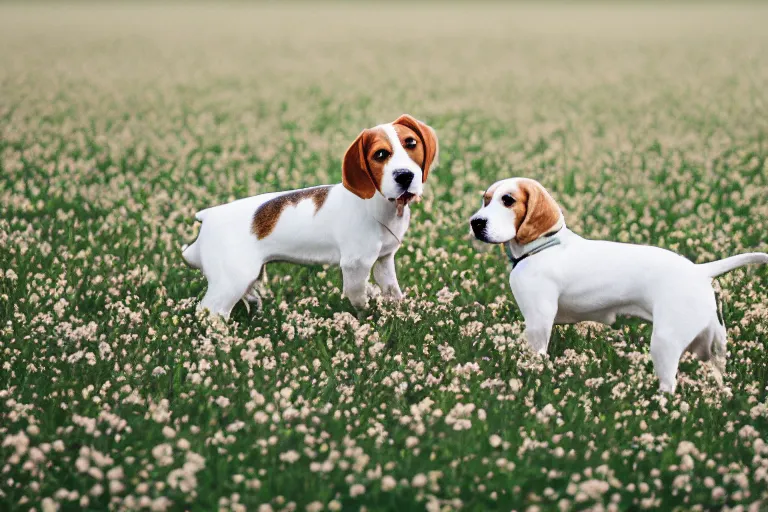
(542, 214)
(354, 169)
(428, 139)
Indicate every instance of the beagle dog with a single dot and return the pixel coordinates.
(355, 224)
(559, 277)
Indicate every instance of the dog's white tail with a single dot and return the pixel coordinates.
(191, 252)
(201, 214)
(716, 268)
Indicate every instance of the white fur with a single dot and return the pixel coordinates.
(346, 231)
(581, 280)
(399, 160)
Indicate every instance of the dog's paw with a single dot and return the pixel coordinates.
(392, 293)
(252, 297)
(717, 366)
(359, 303)
(372, 291)
(211, 318)
(362, 314)
(263, 290)
(667, 387)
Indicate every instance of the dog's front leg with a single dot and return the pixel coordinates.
(539, 311)
(355, 274)
(537, 334)
(386, 277)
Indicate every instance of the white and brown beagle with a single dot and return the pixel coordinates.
(559, 277)
(355, 224)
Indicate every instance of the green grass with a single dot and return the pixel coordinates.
(117, 123)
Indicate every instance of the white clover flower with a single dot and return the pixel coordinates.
(290, 456)
(419, 480)
(315, 506)
(388, 483)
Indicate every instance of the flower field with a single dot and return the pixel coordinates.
(119, 121)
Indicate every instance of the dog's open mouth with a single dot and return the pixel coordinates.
(403, 200)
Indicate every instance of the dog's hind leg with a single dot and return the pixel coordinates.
(670, 338)
(257, 290)
(221, 296)
(701, 345)
(719, 352)
(225, 288)
(681, 321)
(709, 345)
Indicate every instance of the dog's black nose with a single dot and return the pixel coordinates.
(403, 177)
(478, 226)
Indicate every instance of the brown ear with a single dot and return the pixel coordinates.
(354, 169)
(428, 138)
(542, 214)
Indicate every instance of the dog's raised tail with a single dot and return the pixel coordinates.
(201, 214)
(719, 267)
(191, 252)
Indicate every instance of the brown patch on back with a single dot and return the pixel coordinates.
(540, 215)
(266, 216)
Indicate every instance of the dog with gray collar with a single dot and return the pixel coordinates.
(559, 277)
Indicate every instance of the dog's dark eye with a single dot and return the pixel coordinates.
(410, 143)
(381, 155)
(507, 200)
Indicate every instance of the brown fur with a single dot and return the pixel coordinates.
(426, 136)
(536, 211)
(417, 153)
(488, 195)
(520, 206)
(360, 173)
(266, 216)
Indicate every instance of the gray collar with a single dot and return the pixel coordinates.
(538, 245)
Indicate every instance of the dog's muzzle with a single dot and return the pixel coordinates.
(478, 227)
